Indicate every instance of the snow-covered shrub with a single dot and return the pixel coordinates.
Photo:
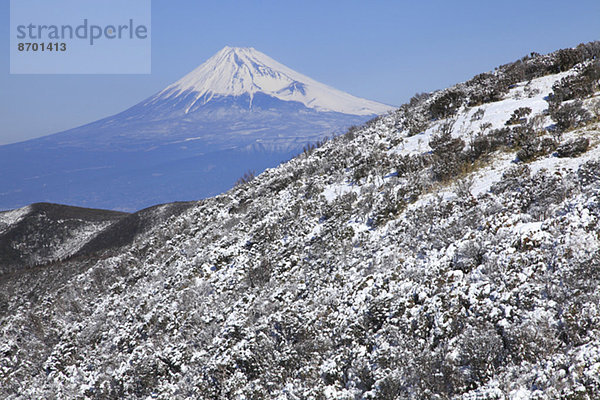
(519, 116)
(480, 146)
(447, 104)
(570, 115)
(247, 177)
(410, 164)
(501, 137)
(259, 274)
(481, 352)
(579, 86)
(468, 256)
(414, 118)
(418, 99)
(589, 173)
(511, 179)
(447, 153)
(573, 147)
(463, 187)
(485, 88)
(535, 148)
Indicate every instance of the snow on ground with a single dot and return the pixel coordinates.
(335, 190)
(566, 163)
(488, 175)
(271, 277)
(77, 239)
(525, 94)
(9, 218)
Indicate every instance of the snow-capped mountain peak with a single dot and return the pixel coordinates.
(238, 71)
(239, 110)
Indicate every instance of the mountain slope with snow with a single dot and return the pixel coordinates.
(448, 250)
(43, 233)
(239, 111)
(235, 71)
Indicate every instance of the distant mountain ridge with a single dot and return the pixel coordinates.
(239, 111)
(44, 233)
(41, 233)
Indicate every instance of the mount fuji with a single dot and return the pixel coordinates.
(240, 110)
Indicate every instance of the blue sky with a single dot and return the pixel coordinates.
(381, 50)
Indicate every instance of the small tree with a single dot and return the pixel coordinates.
(519, 116)
(447, 104)
(478, 115)
(447, 153)
(247, 177)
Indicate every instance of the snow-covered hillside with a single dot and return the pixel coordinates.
(41, 233)
(448, 250)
